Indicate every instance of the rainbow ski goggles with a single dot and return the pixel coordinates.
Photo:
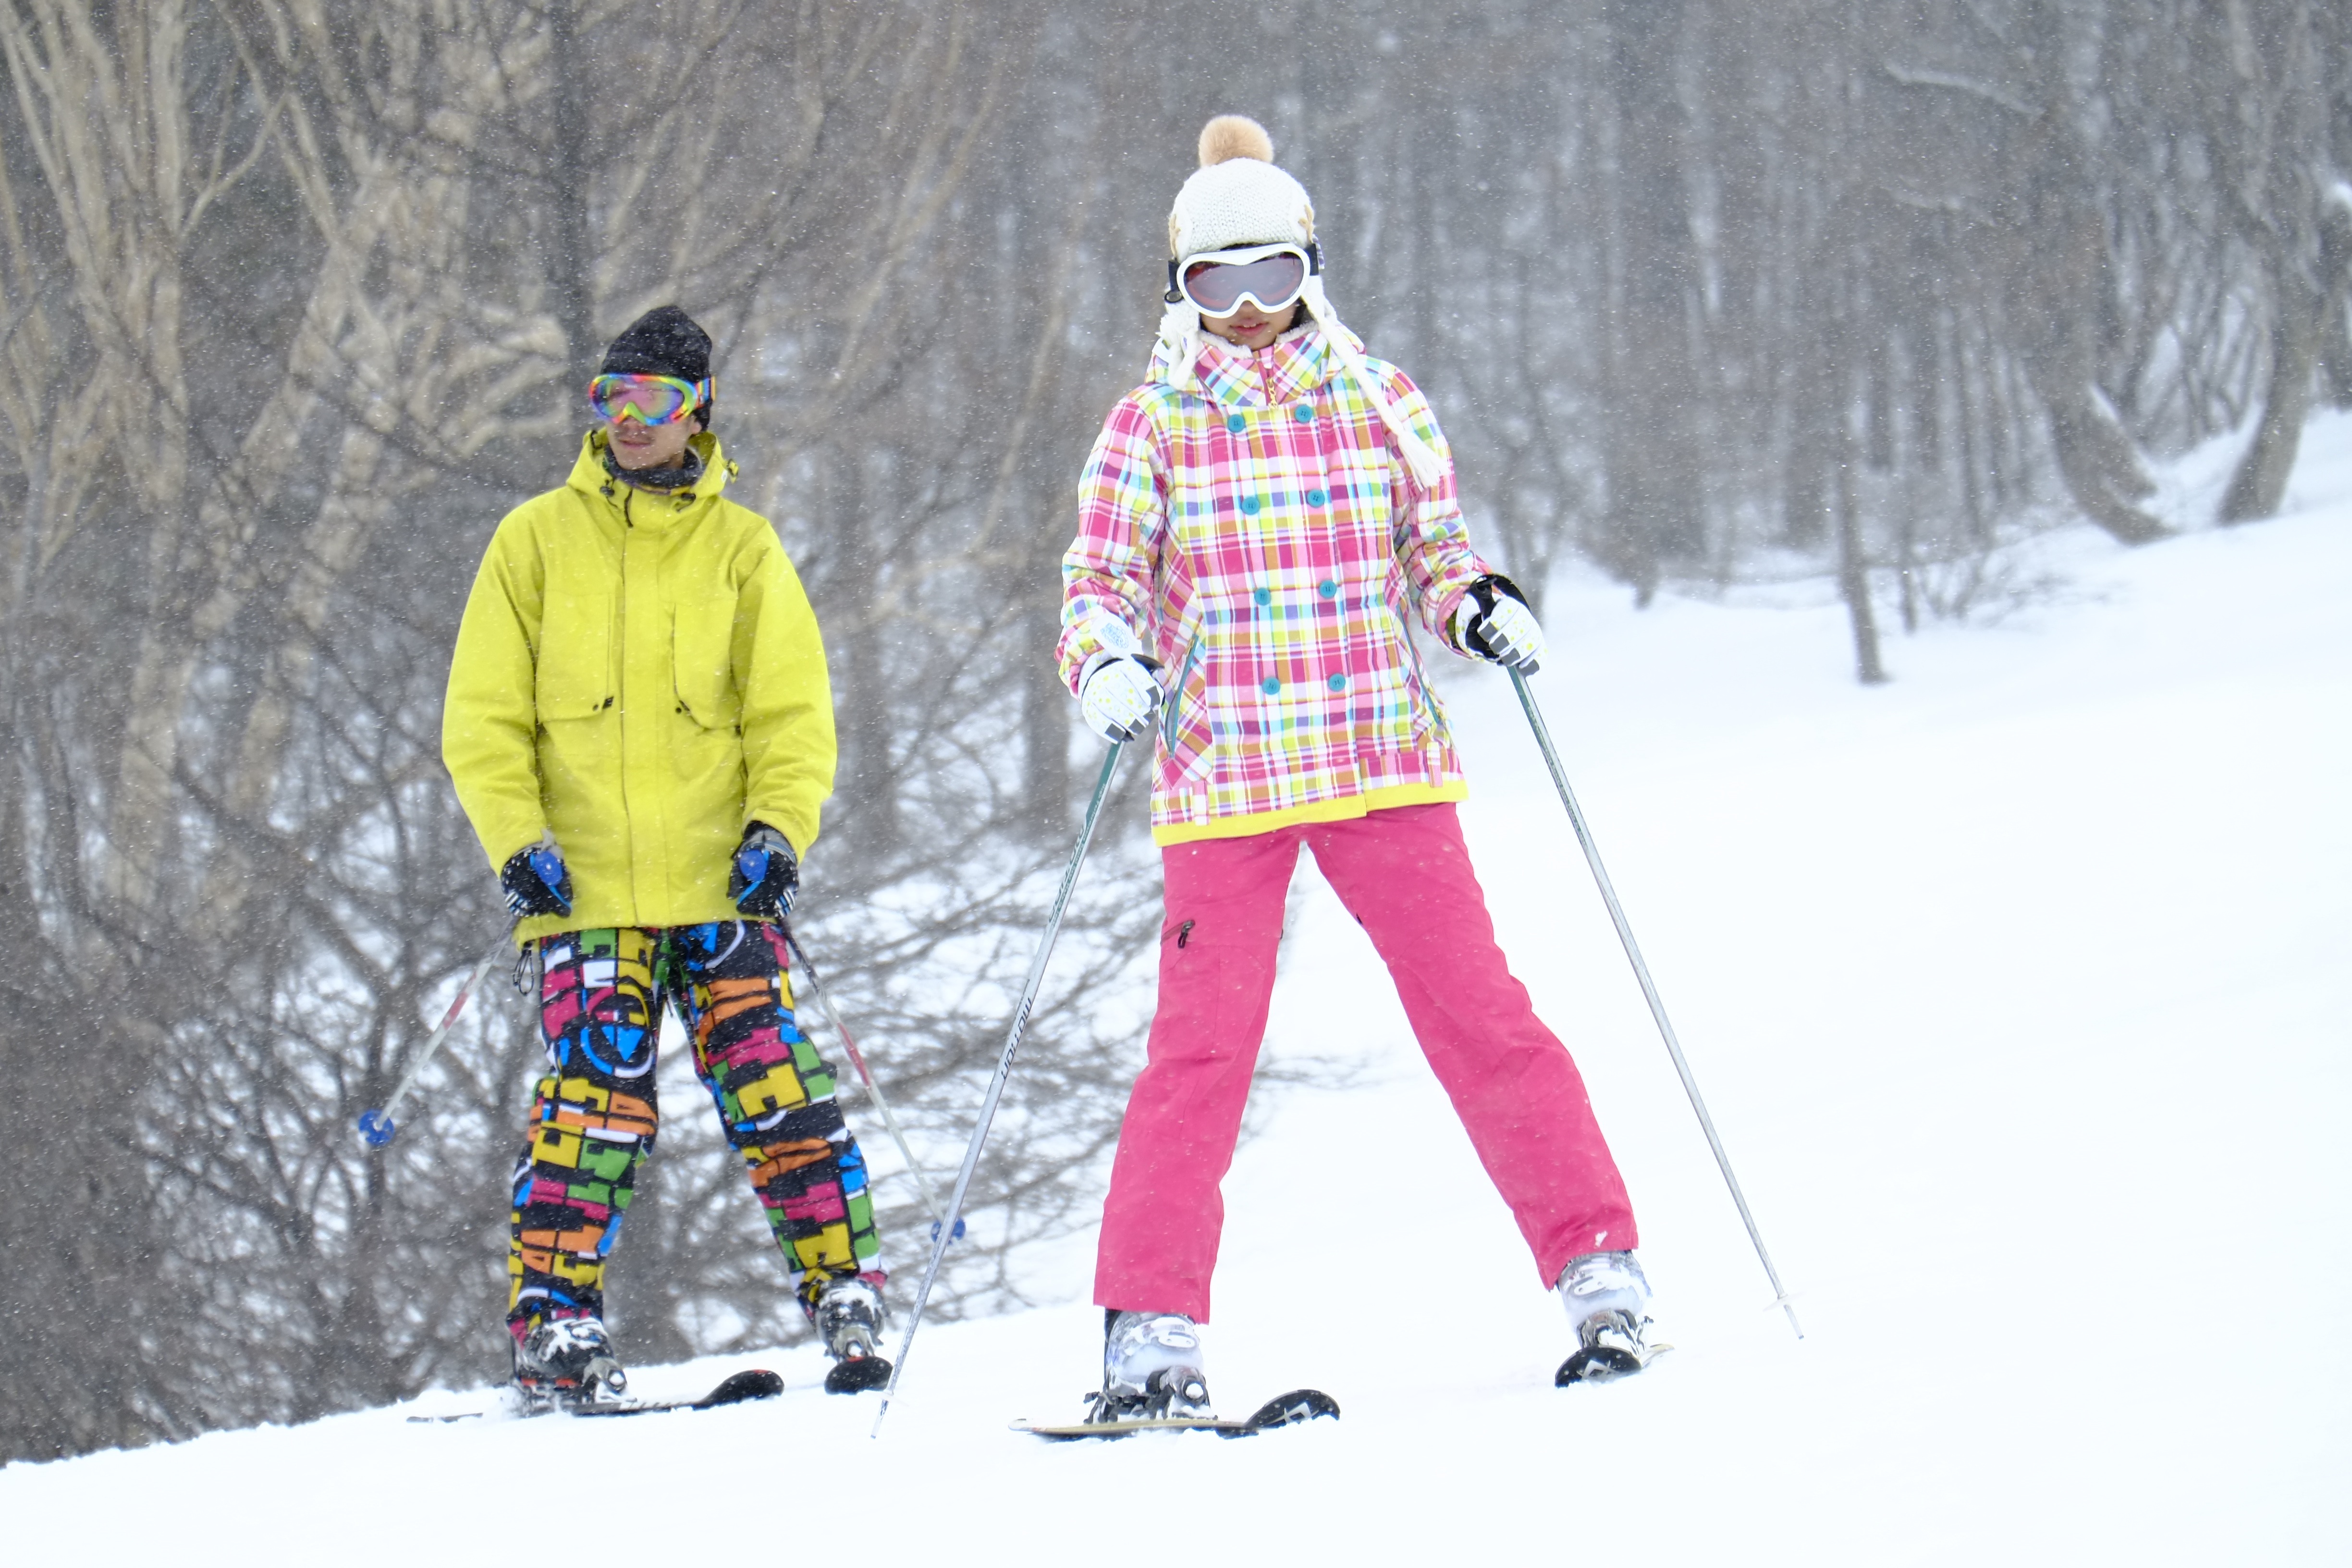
(647, 399)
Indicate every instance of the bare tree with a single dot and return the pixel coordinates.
(2266, 101)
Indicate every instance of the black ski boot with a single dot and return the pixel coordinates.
(568, 1362)
(849, 1321)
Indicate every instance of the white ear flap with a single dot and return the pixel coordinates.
(1427, 466)
(1180, 336)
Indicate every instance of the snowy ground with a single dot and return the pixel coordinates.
(2019, 988)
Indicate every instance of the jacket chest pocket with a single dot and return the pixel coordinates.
(573, 677)
(702, 670)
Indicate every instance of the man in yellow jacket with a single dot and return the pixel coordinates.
(640, 727)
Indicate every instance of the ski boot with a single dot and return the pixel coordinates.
(1151, 1369)
(1608, 1304)
(561, 1362)
(849, 1321)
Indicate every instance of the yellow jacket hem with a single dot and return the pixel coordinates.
(1346, 808)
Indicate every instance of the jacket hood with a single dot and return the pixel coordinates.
(588, 473)
(1293, 365)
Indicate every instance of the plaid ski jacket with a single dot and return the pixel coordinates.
(1262, 539)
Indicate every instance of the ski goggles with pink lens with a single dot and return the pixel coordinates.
(647, 399)
(1271, 277)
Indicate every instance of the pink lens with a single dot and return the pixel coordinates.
(1273, 281)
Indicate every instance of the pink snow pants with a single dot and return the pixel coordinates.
(1404, 874)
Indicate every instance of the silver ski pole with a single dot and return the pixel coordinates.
(873, 1088)
(1650, 990)
(1003, 1067)
(376, 1126)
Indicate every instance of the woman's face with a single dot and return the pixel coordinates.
(1251, 328)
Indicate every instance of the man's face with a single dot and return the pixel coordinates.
(637, 444)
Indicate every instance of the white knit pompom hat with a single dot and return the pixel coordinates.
(1238, 197)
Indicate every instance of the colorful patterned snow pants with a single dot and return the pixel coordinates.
(1404, 874)
(601, 995)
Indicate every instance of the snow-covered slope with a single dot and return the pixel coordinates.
(2020, 991)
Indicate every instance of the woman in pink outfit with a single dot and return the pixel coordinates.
(1256, 521)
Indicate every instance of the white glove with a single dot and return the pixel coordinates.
(1119, 697)
(1492, 624)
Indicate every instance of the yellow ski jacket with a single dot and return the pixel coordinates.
(641, 675)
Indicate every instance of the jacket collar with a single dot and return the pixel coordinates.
(652, 508)
(1293, 365)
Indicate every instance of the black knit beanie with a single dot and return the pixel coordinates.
(665, 341)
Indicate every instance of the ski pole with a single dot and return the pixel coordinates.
(1003, 1067)
(1650, 991)
(873, 1089)
(376, 1126)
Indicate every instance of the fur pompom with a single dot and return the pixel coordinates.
(1235, 136)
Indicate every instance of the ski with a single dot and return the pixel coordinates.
(1293, 1409)
(856, 1374)
(739, 1389)
(736, 1390)
(1605, 1362)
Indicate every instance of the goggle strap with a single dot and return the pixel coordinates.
(699, 391)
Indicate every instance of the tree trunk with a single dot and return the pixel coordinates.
(1854, 572)
(1816, 415)
(572, 268)
(2260, 484)
(2050, 241)
(2335, 287)
(1654, 501)
(2096, 457)
(2305, 310)
(2336, 352)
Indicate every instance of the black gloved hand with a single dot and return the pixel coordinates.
(536, 881)
(1494, 623)
(766, 875)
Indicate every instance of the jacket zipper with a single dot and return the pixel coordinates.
(628, 816)
(1167, 720)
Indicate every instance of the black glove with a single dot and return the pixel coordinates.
(536, 881)
(1478, 634)
(766, 875)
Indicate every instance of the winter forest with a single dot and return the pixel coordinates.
(300, 298)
